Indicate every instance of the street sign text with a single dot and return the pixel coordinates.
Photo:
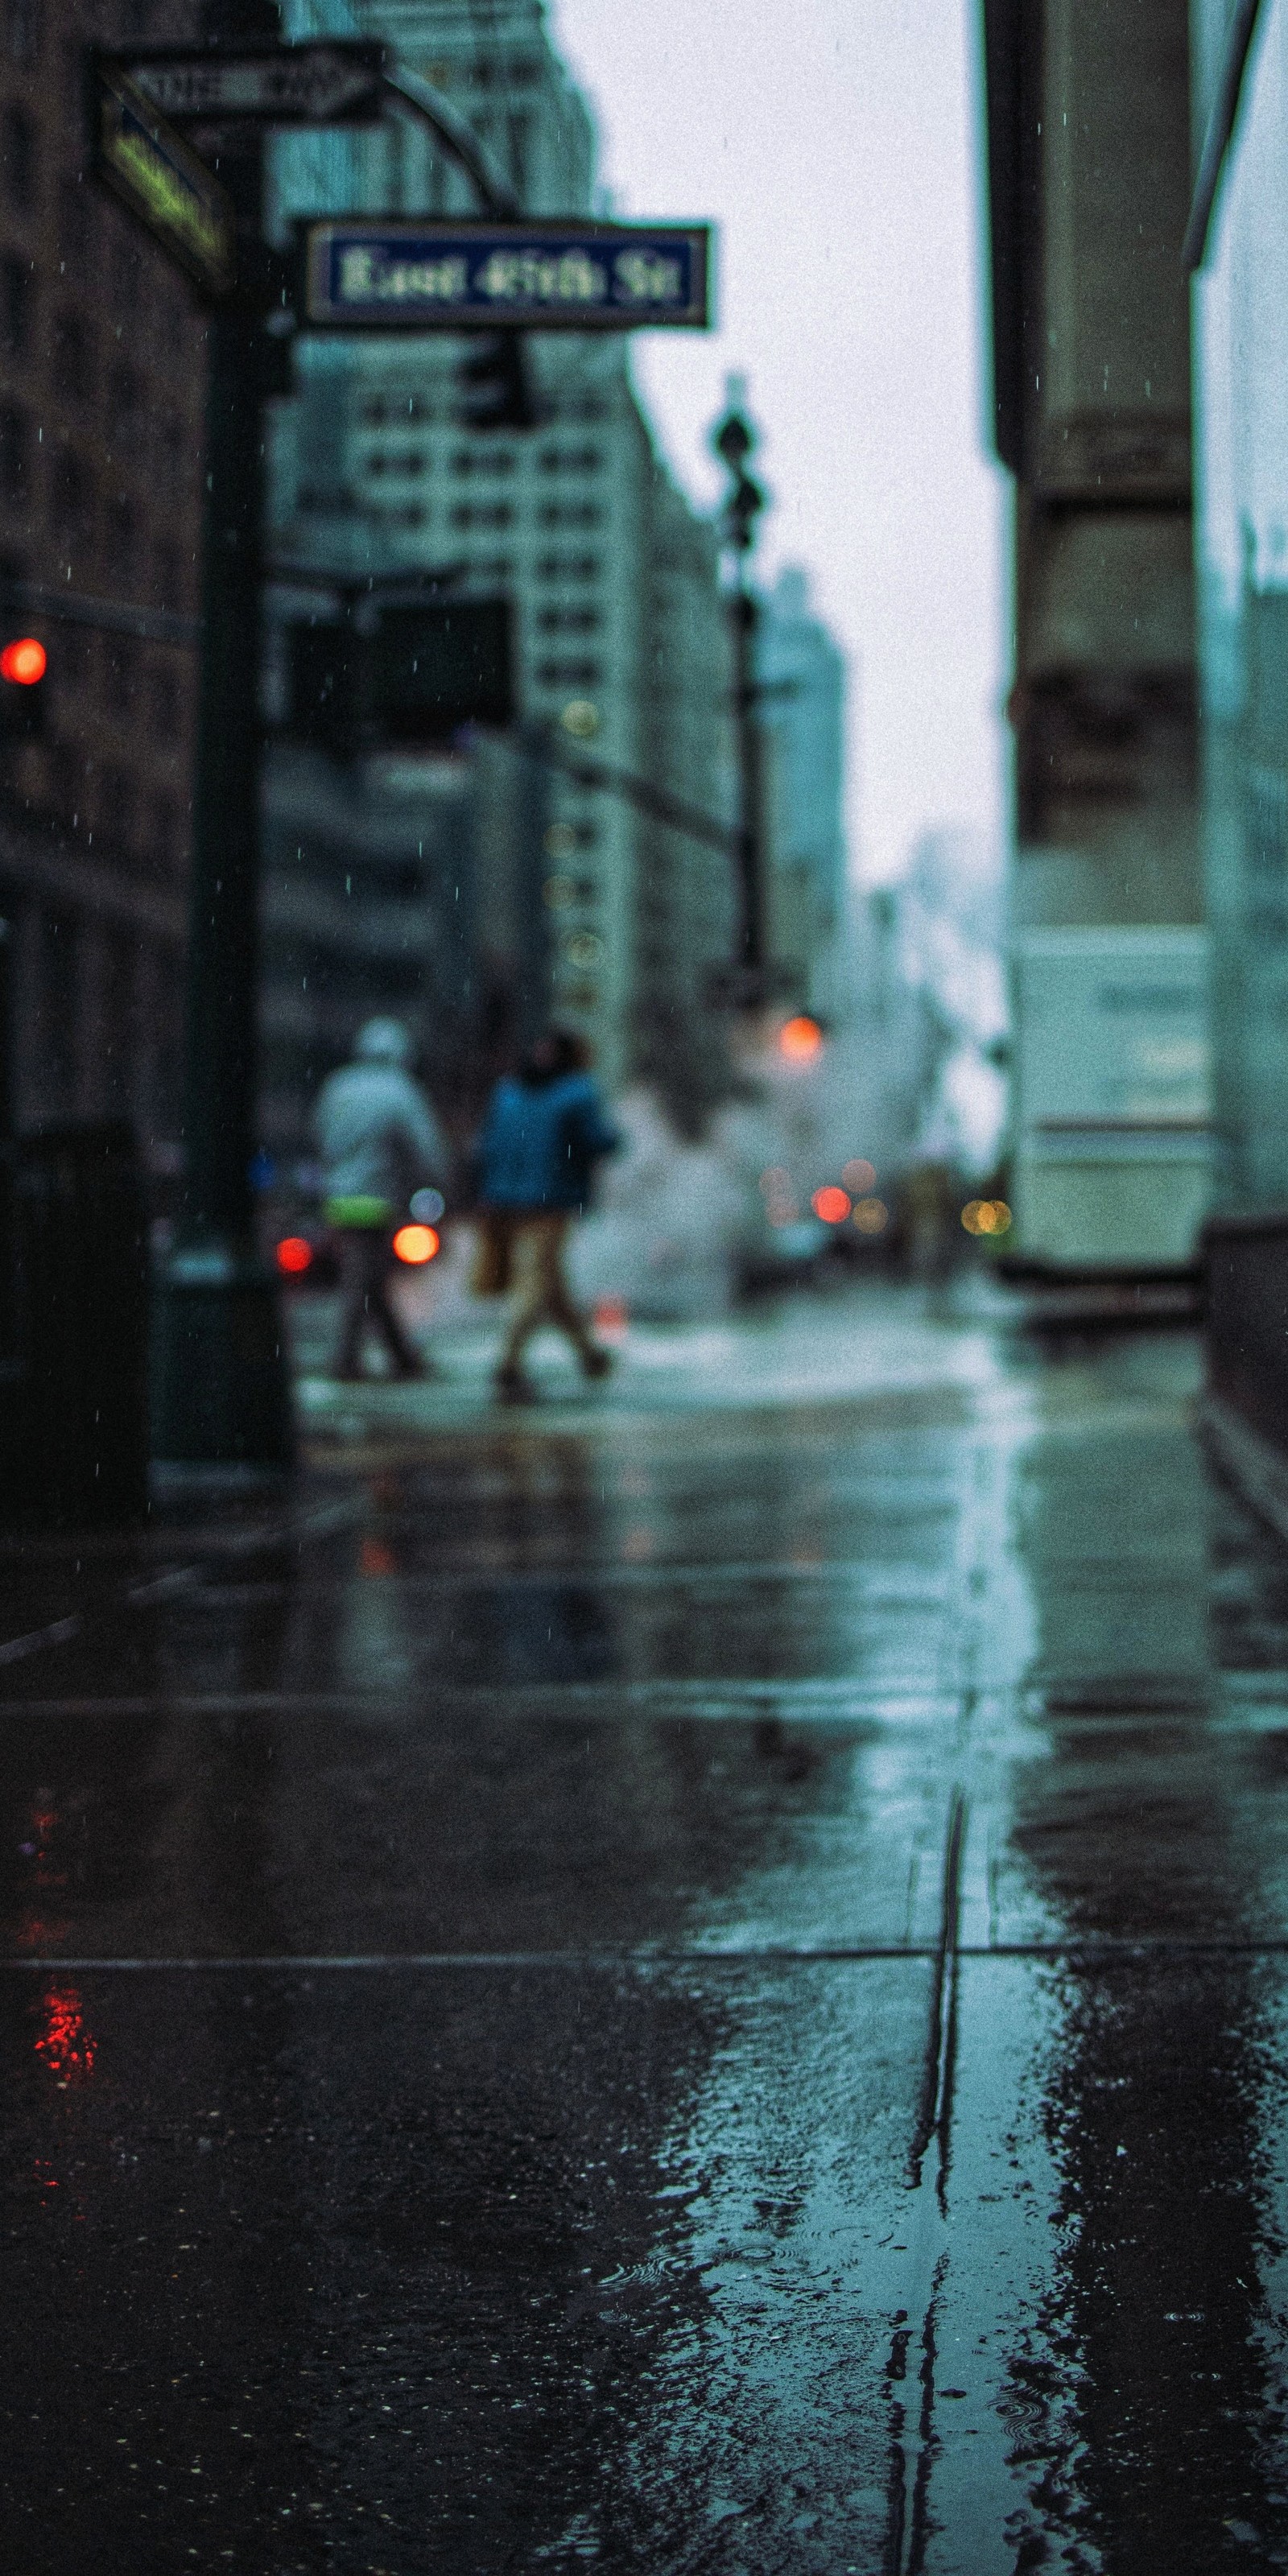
(362, 273)
(313, 84)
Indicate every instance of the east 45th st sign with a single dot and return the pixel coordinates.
(367, 274)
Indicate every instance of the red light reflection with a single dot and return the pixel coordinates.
(64, 2042)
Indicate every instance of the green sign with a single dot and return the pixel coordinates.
(154, 173)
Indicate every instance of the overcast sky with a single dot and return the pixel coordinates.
(834, 143)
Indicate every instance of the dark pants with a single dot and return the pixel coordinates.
(365, 1262)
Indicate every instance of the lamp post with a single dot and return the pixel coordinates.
(221, 1393)
(734, 441)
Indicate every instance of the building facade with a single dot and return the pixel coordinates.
(1088, 118)
(621, 641)
(1241, 348)
(101, 373)
(802, 672)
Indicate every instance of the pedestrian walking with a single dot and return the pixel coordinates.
(379, 1139)
(544, 1132)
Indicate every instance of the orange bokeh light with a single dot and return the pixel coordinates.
(24, 662)
(986, 1216)
(831, 1204)
(415, 1244)
(294, 1253)
(800, 1039)
(872, 1216)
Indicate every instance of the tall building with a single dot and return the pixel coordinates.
(101, 373)
(802, 672)
(1088, 141)
(1239, 237)
(622, 646)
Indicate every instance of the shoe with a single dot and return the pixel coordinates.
(512, 1387)
(596, 1362)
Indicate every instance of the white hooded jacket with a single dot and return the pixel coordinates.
(379, 1137)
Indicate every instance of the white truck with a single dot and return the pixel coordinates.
(1112, 1103)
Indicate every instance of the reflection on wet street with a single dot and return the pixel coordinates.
(692, 1981)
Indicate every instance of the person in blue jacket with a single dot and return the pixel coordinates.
(544, 1132)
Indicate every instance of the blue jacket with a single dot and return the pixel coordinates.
(539, 1146)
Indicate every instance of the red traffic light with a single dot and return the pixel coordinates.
(23, 662)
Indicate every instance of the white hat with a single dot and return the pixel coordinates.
(383, 1042)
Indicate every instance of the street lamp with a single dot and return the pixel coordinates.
(221, 1390)
(734, 441)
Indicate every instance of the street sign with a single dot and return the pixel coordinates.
(149, 166)
(328, 83)
(362, 273)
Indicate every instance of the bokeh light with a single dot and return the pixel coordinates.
(986, 1216)
(64, 2043)
(415, 1244)
(859, 1177)
(831, 1204)
(800, 1039)
(427, 1206)
(872, 1216)
(294, 1254)
(24, 662)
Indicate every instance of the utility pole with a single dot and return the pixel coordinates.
(734, 441)
(221, 1384)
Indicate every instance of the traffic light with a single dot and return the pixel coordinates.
(23, 663)
(495, 389)
(401, 670)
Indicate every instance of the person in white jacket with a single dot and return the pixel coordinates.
(379, 1140)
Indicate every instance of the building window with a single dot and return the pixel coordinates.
(169, 577)
(568, 568)
(18, 157)
(482, 460)
(167, 830)
(120, 540)
(570, 460)
(73, 494)
(164, 697)
(116, 804)
(570, 514)
(568, 675)
(170, 448)
(15, 306)
(124, 401)
(569, 621)
(22, 29)
(482, 514)
(72, 359)
(73, 222)
(14, 436)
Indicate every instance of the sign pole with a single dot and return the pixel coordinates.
(221, 1395)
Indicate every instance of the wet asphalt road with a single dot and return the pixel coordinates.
(680, 1983)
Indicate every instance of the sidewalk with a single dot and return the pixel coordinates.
(690, 1981)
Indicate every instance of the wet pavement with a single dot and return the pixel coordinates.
(695, 1980)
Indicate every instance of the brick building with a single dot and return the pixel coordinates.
(101, 381)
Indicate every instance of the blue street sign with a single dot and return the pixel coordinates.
(362, 273)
